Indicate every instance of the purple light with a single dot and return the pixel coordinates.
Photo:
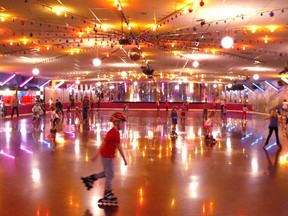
(45, 83)
(26, 150)
(7, 155)
(70, 87)
(8, 79)
(26, 81)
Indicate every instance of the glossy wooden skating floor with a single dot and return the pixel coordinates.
(185, 177)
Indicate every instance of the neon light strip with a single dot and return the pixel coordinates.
(284, 79)
(271, 85)
(258, 87)
(45, 83)
(248, 88)
(7, 155)
(70, 86)
(8, 79)
(26, 150)
(59, 84)
(26, 81)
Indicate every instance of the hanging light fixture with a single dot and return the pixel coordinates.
(195, 64)
(35, 71)
(227, 42)
(256, 76)
(97, 62)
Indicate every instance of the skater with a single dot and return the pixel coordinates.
(158, 105)
(224, 116)
(205, 113)
(174, 116)
(15, 105)
(125, 109)
(107, 151)
(184, 109)
(244, 113)
(273, 126)
(85, 108)
(208, 125)
(53, 132)
(166, 105)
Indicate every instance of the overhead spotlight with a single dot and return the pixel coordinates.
(77, 82)
(195, 64)
(229, 85)
(227, 42)
(97, 62)
(256, 76)
(35, 71)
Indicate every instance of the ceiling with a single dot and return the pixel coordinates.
(61, 39)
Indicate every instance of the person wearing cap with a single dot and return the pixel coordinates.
(107, 151)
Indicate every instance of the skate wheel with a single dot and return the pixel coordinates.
(102, 202)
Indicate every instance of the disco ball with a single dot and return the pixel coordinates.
(134, 54)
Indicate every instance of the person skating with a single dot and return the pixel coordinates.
(174, 117)
(208, 125)
(107, 151)
(273, 126)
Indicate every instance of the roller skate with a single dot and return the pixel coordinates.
(210, 141)
(88, 182)
(173, 135)
(109, 199)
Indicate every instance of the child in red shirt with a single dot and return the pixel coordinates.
(107, 151)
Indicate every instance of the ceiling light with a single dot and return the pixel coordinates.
(227, 42)
(70, 87)
(229, 85)
(215, 85)
(271, 85)
(8, 79)
(246, 87)
(255, 76)
(35, 71)
(257, 86)
(77, 82)
(96, 62)
(284, 79)
(26, 81)
(45, 83)
(59, 84)
(195, 64)
(123, 73)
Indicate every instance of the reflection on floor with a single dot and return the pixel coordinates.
(163, 177)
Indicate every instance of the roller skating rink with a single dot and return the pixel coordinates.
(164, 176)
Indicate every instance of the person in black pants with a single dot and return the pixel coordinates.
(59, 107)
(15, 105)
(273, 126)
